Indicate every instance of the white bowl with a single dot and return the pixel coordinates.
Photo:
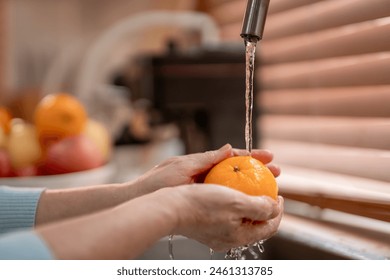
(94, 176)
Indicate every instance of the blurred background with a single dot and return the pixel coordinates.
(172, 72)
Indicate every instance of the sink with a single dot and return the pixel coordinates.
(183, 249)
(186, 249)
(276, 248)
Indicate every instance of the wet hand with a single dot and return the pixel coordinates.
(222, 218)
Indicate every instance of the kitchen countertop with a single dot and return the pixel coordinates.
(131, 161)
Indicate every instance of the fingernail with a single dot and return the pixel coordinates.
(225, 148)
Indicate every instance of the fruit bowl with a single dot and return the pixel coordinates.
(94, 176)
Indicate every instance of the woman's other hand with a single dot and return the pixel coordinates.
(222, 218)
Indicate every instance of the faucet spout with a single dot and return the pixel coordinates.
(254, 20)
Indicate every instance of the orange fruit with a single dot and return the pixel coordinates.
(5, 119)
(246, 174)
(58, 116)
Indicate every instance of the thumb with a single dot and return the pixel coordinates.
(203, 162)
(210, 158)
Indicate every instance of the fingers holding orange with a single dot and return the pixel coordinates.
(264, 156)
(266, 208)
(274, 169)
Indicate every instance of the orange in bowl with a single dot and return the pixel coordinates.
(58, 116)
(5, 120)
(246, 174)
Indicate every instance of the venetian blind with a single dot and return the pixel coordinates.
(324, 92)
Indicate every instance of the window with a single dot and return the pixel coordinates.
(324, 91)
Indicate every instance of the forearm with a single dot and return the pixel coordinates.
(122, 232)
(57, 204)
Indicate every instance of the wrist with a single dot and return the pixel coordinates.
(132, 189)
(146, 184)
(168, 205)
(182, 208)
(176, 206)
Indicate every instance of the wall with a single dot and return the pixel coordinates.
(40, 30)
(3, 48)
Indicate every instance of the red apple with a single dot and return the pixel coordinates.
(73, 154)
(5, 164)
(30, 170)
(99, 134)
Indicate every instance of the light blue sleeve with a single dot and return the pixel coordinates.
(23, 245)
(18, 208)
(17, 212)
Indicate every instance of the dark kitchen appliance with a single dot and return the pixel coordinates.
(203, 92)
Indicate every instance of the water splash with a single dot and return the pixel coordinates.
(238, 253)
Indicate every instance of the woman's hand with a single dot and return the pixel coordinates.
(59, 204)
(217, 216)
(193, 168)
(223, 218)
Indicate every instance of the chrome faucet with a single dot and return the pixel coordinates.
(254, 20)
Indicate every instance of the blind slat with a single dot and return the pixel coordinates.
(231, 32)
(348, 242)
(368, 163)
(323, 15)
(348, 131)
(277, 6)
(367, 101)
(213, 3)
(336, 191)
(326, 181)
(369, 69)
(229, 11)
(366, 37)
(357, 207)
(235, 10)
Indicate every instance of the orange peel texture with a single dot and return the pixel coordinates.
(246, 174)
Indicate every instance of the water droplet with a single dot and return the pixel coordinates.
(170, 247)
(260, 246)
(211, 253)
